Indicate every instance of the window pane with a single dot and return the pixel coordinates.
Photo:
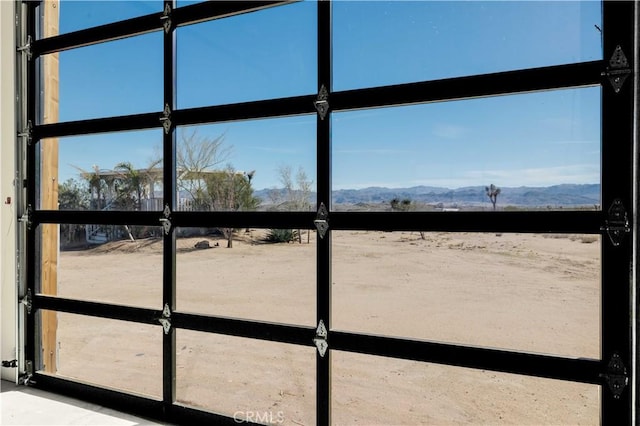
(265, 54)
(109, 171)
(541, 149)
(378, 43)
(264, 382)
(110, 79)
(110, 353)
(103, 263)
(256, 279)
(248, 165)
(527, 292)
(78, 15)
(364, 387)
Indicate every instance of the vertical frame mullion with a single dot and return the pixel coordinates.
(32, 100)
(323, 141)
(617, 174)
(169, 194)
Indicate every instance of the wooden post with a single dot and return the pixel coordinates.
(49, 187)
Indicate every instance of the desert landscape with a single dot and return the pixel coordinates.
(527, 292)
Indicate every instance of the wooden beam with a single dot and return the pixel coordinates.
(49, 187)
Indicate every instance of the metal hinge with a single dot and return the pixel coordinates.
(166, 17)
(322, 102)
(27, 132)
(616, 376)
(26, 378)
(321, 221)
(10, 364)
(26, 48)
(618, 69)
(166, 118)
(165, 320)
(26, 217)
(617, 223)
(27, 301)
(166, 222)
(321, 339)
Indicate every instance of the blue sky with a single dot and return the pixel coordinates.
(535, 139)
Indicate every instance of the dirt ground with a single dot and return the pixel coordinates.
(535, 293)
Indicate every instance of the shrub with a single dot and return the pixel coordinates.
(281, 235)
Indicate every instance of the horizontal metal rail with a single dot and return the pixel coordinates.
(191, 14)
(569, 76)
(209, 10)
(282, 107)
(287, 220)
(97, 309)
(97, 217)
(116, 399)
(503, 83)
(135, 404)
(98, 125)
(282, 333)
(566, 222)
(578, 370)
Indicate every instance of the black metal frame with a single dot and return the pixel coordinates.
(617, 169)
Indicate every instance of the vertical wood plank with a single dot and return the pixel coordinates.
(49, 186)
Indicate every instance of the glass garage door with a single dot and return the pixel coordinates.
(330, 212)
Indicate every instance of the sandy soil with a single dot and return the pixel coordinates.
(536, 293)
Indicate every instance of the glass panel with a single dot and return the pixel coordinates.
(248, 165)
(109, 171)
(78, 15)
(264, 382)
(541, 149)
(110, 353)
(364, 387)
(527, 292)
(265, 54)
(109, 79)
(261, 277)
(102, 263)
(378, 43)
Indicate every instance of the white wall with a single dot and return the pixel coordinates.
(8, 296)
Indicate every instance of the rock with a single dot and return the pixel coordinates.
(204, 244)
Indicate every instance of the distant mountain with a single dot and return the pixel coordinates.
(554, 196)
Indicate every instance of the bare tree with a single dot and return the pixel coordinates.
(195, 156)
(304, 188)
(492, 192)
(211, 188)
(295, 194)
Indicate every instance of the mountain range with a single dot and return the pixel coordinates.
(556, 196)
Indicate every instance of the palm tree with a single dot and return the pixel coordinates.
(97, 186)
(133, 182)
(492, 192)
(128, 186)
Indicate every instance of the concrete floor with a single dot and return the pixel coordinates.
(22, 405)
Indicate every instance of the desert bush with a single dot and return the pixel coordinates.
(281, 235)
(588, 239)
(583, 238)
